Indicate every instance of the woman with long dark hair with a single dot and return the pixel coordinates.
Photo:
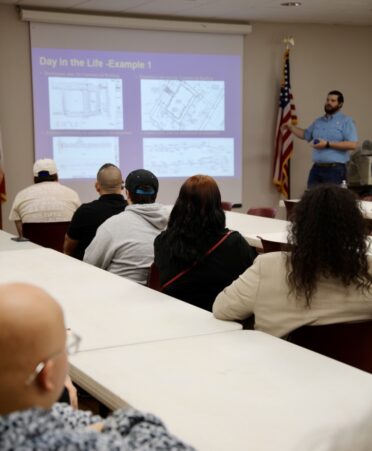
(196, 255)
(326, 278)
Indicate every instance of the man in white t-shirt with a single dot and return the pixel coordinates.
(45, 201)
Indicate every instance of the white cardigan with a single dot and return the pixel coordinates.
(262, 290)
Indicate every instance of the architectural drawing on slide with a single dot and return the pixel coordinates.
(85, 103)
(182, 157)
(81, 156)
(183, 105)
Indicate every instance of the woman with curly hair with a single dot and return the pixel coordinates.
(196, 255)
(326, 278)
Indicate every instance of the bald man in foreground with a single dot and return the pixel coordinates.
(33, 360)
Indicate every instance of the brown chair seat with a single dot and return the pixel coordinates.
(47, 234)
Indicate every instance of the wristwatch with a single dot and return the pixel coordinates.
(327, 145)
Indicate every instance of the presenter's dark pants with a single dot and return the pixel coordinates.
(326, 173)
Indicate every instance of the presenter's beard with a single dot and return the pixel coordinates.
(330, 109)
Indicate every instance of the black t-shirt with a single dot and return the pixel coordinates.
(88, 217)
(206, 279)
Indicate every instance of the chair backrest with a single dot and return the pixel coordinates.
(266, 212)
(227, 205)
(274, 246)
(368, 223)
(47, 234)
(153, 279)
(289, 206)
(349, 343)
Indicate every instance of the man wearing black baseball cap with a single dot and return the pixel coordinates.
(124, 244)
(142, 182)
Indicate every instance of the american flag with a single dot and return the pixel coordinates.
(283, 138)
(2, 174)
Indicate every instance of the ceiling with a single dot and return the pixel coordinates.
(341, 12)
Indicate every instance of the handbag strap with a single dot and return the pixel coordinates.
(185, 271)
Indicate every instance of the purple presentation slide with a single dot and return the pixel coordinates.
(175, 114)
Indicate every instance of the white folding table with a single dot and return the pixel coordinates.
(241, 390)
(9, 242)
(107, 310)
(250, 227)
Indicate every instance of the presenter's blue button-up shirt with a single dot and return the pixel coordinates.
(336, 127)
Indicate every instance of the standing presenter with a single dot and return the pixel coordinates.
(333, 136)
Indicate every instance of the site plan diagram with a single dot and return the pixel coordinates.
(183, 105)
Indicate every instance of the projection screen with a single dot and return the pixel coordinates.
(170, 102)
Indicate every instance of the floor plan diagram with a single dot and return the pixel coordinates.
(183, 105)
(85, 103)
(182, 157)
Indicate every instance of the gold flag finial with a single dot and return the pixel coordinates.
(289, 42)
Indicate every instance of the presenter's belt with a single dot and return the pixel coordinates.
(328, 165)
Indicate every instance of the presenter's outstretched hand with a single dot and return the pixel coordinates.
(286, 127)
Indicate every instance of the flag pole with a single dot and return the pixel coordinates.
(289, 42)
(2, 183)
(283, 137)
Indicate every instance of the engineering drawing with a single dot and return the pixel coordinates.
(81, 157)
(183, 157)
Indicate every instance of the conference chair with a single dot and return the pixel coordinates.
(47, 234)
(266, 212)
(368, 222)
(349, 343)
(289, 206)
(153, 280)
(367, 198)
(274, 246)
(227, 206)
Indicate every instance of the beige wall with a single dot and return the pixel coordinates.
(15, 105)
(324, 58)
